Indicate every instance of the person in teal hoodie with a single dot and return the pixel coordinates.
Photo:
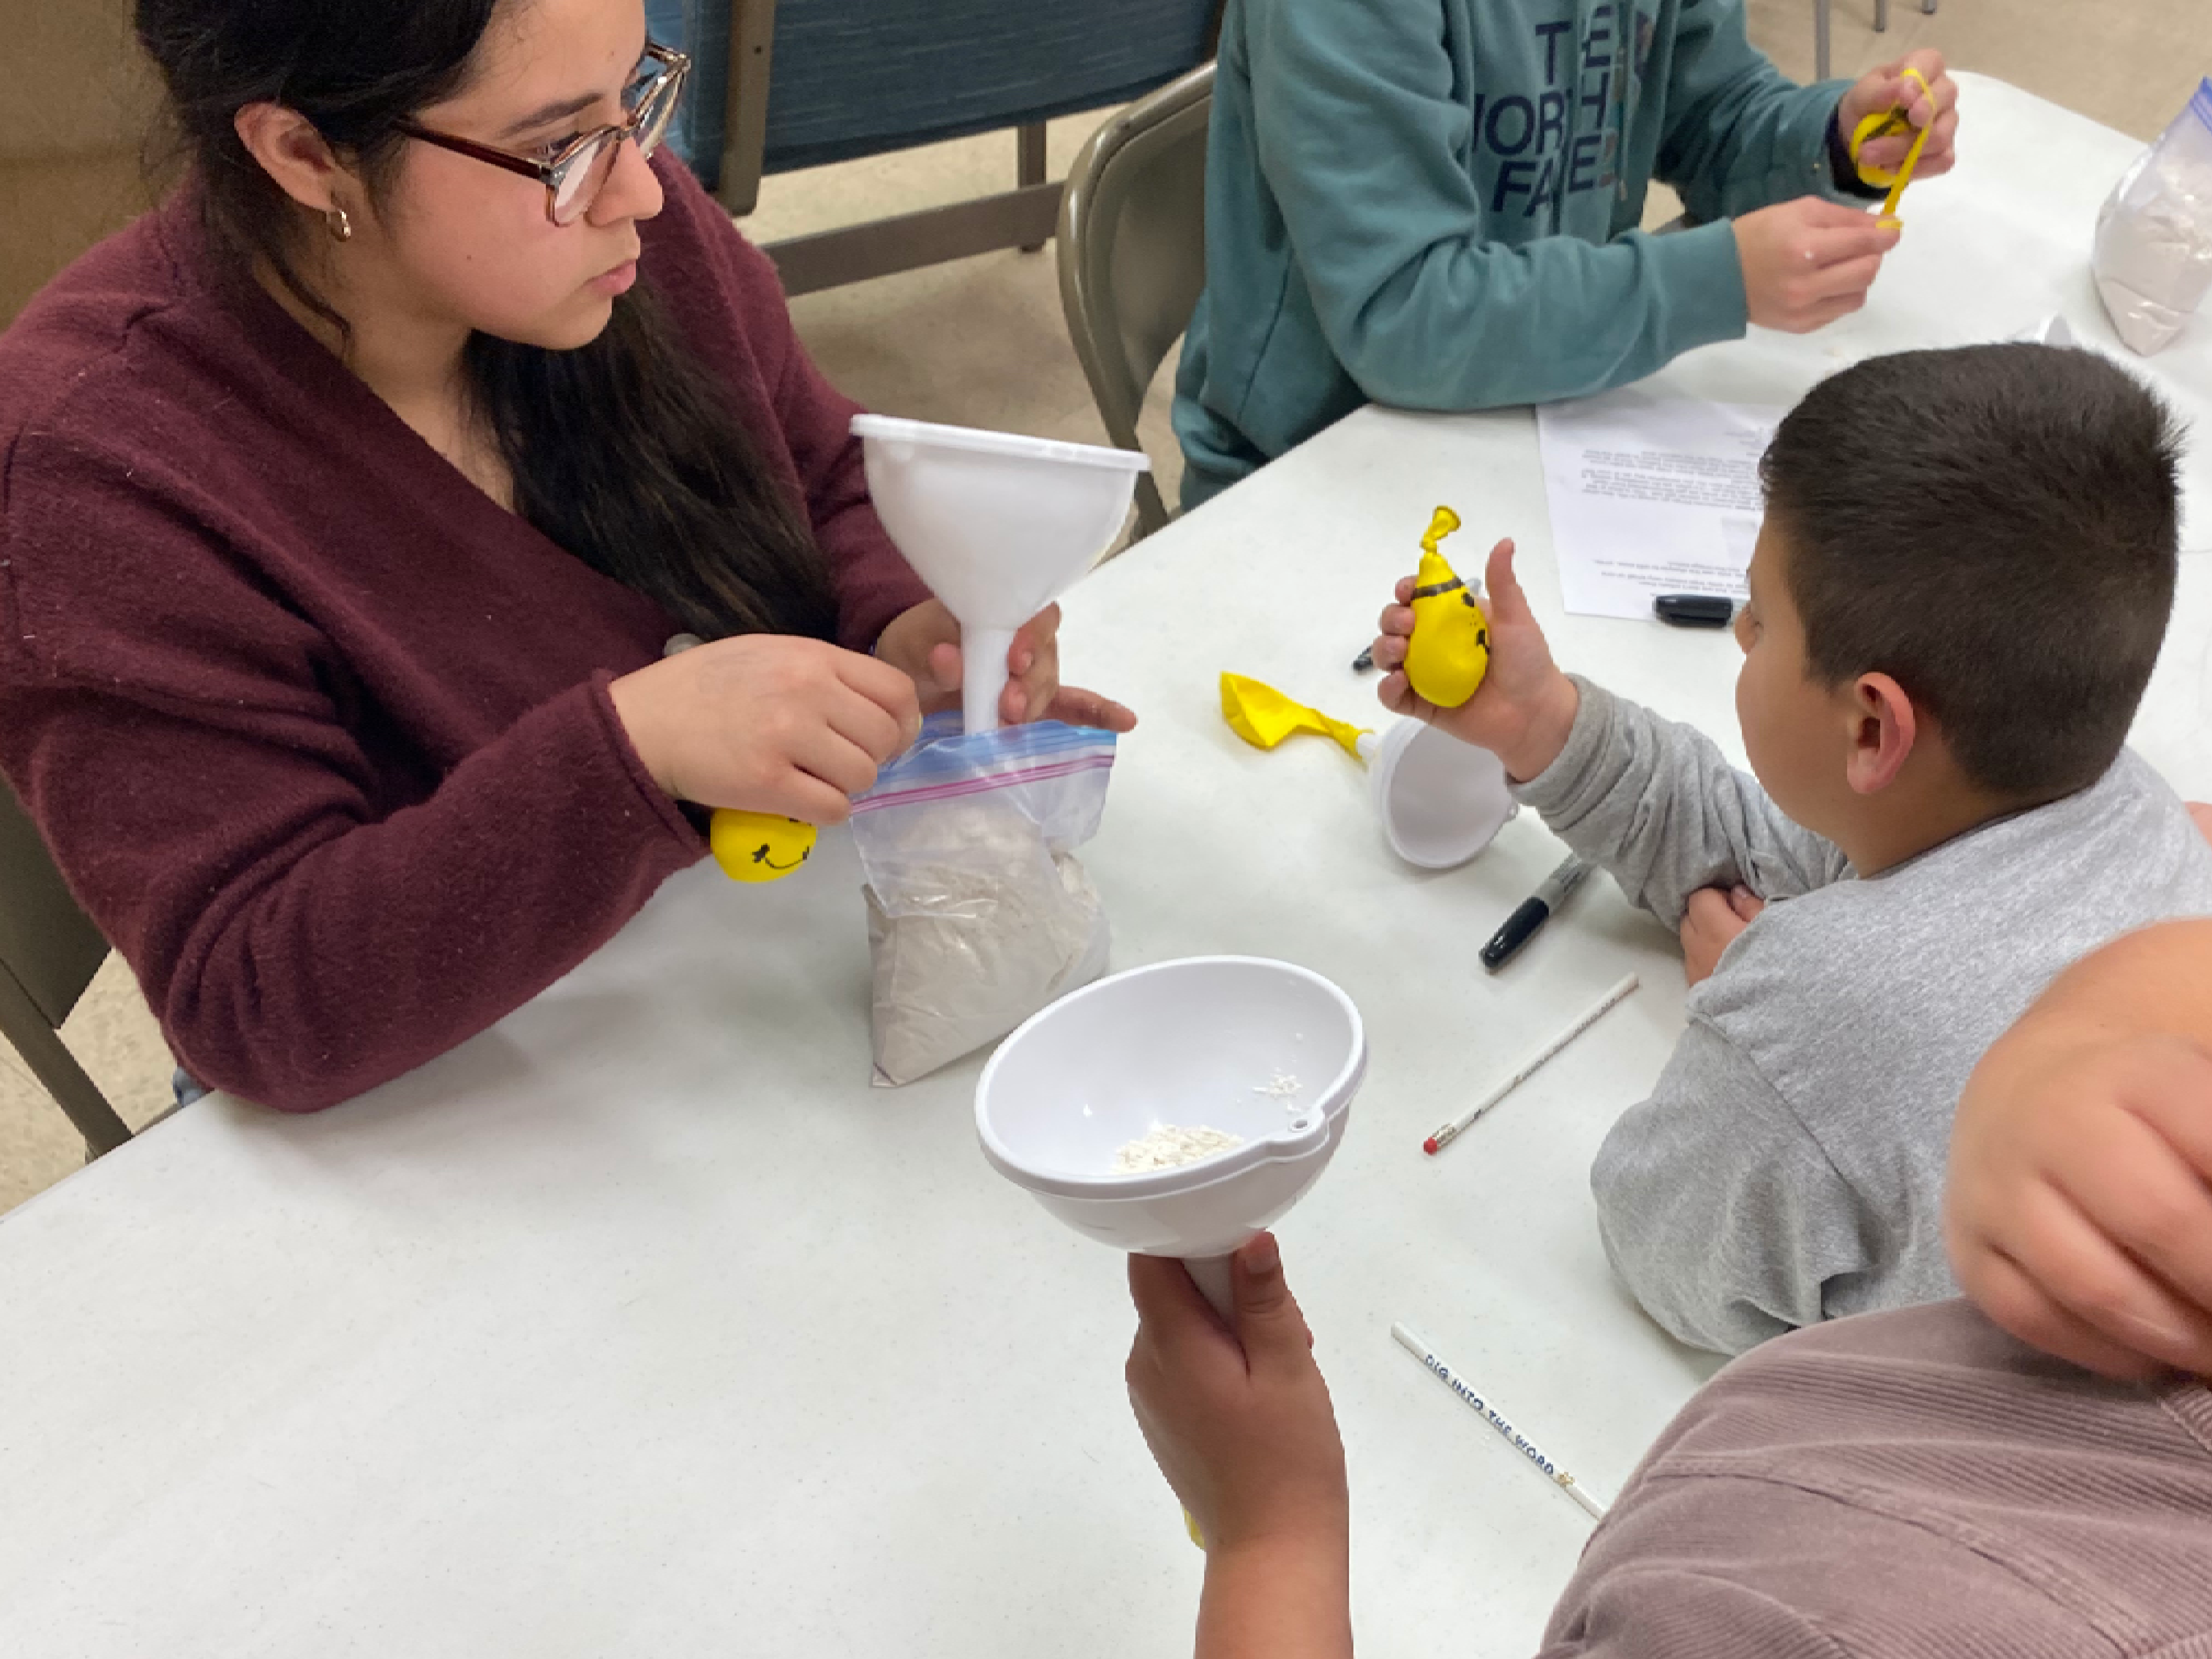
(1433, 203)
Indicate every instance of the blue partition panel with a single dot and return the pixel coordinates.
(857, 77)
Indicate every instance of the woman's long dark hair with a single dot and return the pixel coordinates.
(624, 452)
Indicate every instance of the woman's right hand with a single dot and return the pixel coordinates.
(768, 723)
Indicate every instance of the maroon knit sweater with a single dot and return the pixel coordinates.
(319, 733)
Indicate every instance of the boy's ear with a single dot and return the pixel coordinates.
(1884, 725)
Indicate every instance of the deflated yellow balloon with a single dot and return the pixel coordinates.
(1895, 123)
(758, 846)
(1263, 716)
(1449, 651)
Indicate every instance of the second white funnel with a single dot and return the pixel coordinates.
(999, 525)
(1266, 1051)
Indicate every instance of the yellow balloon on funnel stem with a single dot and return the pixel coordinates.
(1449, 651)
(758, 846)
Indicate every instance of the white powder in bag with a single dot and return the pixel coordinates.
(983, 927)
(2152, 253)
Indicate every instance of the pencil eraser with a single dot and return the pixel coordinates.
(1430, 1146)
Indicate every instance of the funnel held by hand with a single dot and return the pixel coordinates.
(999, 525)
(1265, 1051)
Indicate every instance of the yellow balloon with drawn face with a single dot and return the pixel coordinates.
(1449, 651)
(759, 845)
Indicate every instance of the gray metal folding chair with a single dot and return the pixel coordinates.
(1821, 9)
(1132, 254)
(49, 951)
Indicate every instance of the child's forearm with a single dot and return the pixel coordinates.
(1277, 1599)
(1660, 808)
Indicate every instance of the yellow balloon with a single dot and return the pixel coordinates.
(1896, 123)
(758, 846)
(1882, 123)
(1263, 716)
(1449, 651)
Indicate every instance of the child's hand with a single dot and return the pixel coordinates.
(1241, 1425)
(1808, 262)
(1710, 926)
(1524, 707)
(1935, 104)
(2079, 1210)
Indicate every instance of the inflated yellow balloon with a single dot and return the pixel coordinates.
(758, 846)
(1449, 651)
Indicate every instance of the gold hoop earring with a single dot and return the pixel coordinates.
(339, 226)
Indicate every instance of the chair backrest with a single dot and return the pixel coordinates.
(49, 951)
(859, 77)
(1132, 252)
(72, 167)
(46, 942)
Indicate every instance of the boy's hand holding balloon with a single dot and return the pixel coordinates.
(1523, 709)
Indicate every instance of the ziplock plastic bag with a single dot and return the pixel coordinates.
(2154, 254)
(978, 913)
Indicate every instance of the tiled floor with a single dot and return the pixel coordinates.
(982, 343)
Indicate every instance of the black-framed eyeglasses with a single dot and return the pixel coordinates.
(573, 179)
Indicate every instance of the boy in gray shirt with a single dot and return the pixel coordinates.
(1957, 595)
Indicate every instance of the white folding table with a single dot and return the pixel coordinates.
(640, 1325)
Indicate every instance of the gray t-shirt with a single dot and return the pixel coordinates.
(1912, 1484)
(1789, 1167)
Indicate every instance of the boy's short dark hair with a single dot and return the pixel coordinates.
(1996, 528)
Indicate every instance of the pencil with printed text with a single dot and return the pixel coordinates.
(1414, 1344)
(1452, 1131)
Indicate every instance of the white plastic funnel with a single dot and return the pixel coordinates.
(1441, 801)
(1264, 1050)
(999, 525)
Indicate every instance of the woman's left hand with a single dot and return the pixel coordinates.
(924, 642)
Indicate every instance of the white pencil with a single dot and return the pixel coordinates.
(1452, 1131)
(1489, 1412)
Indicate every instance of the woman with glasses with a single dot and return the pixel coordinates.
(356, 504)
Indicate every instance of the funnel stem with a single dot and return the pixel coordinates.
(983, 675)
(1211, 1274)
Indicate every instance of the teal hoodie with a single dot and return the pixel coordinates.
(1433, 203)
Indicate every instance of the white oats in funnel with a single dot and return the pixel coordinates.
(1168, 1147)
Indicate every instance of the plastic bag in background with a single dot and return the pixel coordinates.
(978, 913)
(2153, 252)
